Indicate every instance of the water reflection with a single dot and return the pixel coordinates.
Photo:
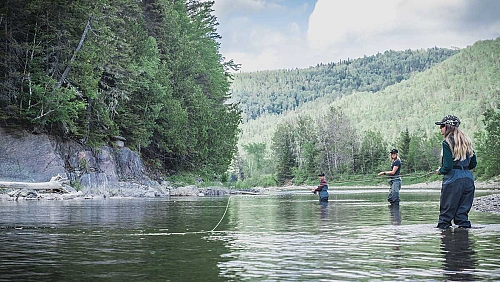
(460, 260)
(260, 238)
(324, 209)
(394, 214)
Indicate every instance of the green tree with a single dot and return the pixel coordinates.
(337, 142)
(145, 70)
(373, 152)
(283, 148)
(256, 158)
(488, 147)
(403, 146)
(306, 132)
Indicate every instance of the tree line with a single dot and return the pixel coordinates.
(306, 146)
(149, 71)
(466, 85)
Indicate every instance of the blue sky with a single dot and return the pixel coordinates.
(284, 34)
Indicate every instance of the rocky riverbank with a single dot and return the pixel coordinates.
(489, 203)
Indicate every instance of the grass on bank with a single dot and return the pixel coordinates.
(337, 180)
(341, 180)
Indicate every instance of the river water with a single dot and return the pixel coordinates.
(287, 236)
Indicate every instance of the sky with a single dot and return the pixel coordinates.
(286, 34)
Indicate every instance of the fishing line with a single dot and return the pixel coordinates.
(227, 206)
(229, 199)
(190, 232)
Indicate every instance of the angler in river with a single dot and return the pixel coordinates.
(394, 177)
(322, 188)
(458, 158)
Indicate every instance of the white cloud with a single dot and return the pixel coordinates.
(337, 21)
(274, 34)
(265, 59)
(342, 29)
(223, 7)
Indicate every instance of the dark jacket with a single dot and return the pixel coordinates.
(322, 189)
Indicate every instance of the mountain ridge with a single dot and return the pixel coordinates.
(466, 84)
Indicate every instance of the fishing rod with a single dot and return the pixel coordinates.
(365, 179)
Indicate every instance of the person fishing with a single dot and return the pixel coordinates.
(457, 160)
(322, 188)
(394, 177)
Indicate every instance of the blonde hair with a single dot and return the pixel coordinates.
(460, 143)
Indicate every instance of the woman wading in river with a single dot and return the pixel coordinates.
(394, 178)
(458, 158)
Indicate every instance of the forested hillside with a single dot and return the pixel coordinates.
(149, 71)
(352, 134)
(278, 91)
(466, 84)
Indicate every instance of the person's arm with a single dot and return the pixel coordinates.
(320, 186)
(392, 172)
(473, 161)
(447, 164)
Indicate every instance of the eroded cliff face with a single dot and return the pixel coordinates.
(106, 171)
(28, 157)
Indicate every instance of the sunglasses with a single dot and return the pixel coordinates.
(441, 126)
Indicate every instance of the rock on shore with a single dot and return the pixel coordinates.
(490, 203)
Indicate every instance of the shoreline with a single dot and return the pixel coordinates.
(491, 184)
(488, 203)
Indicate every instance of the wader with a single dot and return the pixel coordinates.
(457, 195)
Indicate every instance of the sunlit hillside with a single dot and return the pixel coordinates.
(465, 85)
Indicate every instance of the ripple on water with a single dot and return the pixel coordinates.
(352, 253)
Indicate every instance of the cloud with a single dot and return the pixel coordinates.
(262, 34)
(335, 21)
(268, 48)
(355, 28)
(224, 7)
(277, 34)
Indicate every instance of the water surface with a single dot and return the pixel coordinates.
(288, 236)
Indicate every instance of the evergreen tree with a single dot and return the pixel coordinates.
(145, 70)
(488, 147)
(403, 146)
(283, 148)
(373, 153)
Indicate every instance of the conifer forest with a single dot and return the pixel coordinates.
(149, 71)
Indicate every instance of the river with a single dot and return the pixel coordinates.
(287, 236)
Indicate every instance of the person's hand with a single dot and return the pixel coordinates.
(437, 170)
(381, 173)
